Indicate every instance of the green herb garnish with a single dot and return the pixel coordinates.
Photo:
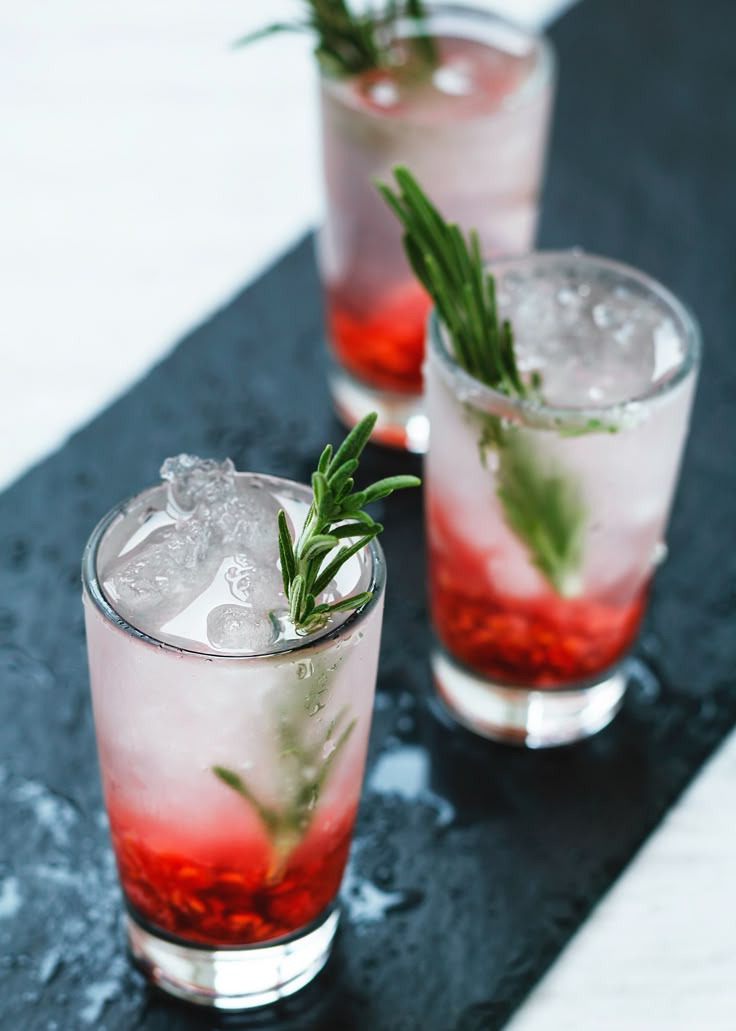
(542, 504)
(453, 274)
(305, 762)
(311, 767)
(349, 43)
(336, 513)
(308, 752)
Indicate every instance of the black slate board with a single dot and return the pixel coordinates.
(484, 873)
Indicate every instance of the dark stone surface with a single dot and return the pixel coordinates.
(462, 891)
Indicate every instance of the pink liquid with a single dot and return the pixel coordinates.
(473, 139)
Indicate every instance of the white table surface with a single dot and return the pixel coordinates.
(146, 172)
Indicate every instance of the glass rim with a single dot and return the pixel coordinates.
(93, 589)
(538, 77)
(544, 414)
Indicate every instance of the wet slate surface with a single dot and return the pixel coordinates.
(473, 864)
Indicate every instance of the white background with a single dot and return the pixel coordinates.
(147, 171)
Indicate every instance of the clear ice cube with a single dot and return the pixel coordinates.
(158, 578)
(216, 517)
(455, 78)
(589, 342)
(239, 628)
(197, 484)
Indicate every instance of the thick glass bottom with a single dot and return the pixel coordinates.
(401, 422)
(532, 717)
(233, 978)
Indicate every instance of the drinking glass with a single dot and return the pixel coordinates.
(231, 781)
(546, 514)
(474, 132)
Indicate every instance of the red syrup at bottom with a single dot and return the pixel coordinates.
(384, 346)
(542, 640)
(226, 890)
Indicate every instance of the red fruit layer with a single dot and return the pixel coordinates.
(234, 892)
(538, 641)
(383, 347)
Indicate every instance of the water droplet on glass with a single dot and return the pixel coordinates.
(304, 669)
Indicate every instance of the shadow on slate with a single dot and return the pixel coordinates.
(485, 874)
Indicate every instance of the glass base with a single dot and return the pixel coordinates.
(534, 718)
(401, 422)
(233, 978)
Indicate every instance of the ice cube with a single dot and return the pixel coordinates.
(668, 349)
(240, 628)
(384, 93)
(455, 79)
(197, 484)
(256, 584)
(223, 543)
(248, 522)
(158, 578)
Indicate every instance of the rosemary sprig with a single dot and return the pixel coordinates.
(542, 504)
(425, 42)
(308, 753)
(348, 43)
(452, 272)
(307, 764)
(336, 514)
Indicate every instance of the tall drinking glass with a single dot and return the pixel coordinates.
(231, 752)
(546, 515)
(473, 130)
